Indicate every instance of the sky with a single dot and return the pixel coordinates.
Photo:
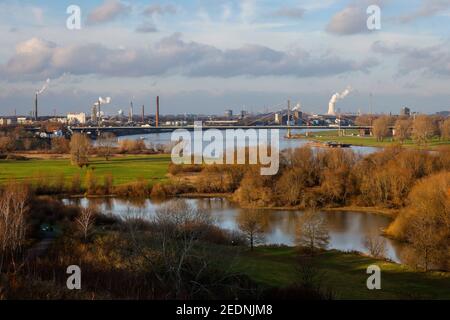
(206, 56)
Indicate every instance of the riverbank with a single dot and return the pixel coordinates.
(366, 141)
(344, 274)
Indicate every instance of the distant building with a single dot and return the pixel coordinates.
(76, 118)
(5, 122)
(405, 111)
(59, 120)
(22, 120)
(278, 118)
(229, 114)
(443, 113)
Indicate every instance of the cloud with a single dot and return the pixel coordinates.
(431, 60)
(291, 13)
(147, 27)
(38, 59)
(157, 9)
(108, 11)
(427, 8)
(350, 20)
(353, 18)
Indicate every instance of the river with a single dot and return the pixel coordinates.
(164, 138)
(347, 230)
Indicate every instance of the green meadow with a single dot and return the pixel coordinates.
(344, 274)
(324, 136)
(123, 169)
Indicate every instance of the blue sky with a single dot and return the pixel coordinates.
(205, 56)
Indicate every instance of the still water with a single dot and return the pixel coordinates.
(164, 138)
(347, 230)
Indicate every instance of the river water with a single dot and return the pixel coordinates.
(164, 138)
(347, 230)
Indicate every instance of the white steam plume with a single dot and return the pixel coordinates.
(47, 82)
(335, 98)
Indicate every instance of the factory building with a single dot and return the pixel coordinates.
(76, 118)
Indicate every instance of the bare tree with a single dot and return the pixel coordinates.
(422, 237)
(312, 232)
(6, 144)
(376, 245)
(423, 129)
(85, 222)
(79, 149)
(13, 210)
(179, 227)
(251, 224)
(445, 129)
(106, 143)
(403, 129)
(381, 128)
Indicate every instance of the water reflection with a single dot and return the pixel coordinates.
(347, 230)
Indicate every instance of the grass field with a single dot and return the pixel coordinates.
(124, 169)
(345, 274)
(332, 135)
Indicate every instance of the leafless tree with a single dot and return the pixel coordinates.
(178, 227)
(106, 143)
(79, 149)
(13, 226)
(403, 129)
(376, 245)
(445, 129)
(251, 224)
(423, 129)
(312, 232)
(85, 222)
(381, 128)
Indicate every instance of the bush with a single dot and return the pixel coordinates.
(138, 189)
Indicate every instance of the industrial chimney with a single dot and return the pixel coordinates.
(36, 108)
(157, 112)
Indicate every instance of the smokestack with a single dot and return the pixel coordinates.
(131, 112)
(36, 107)
(143, 113)
(157, 112)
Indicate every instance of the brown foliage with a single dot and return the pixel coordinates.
(425, 223)
(79, 149)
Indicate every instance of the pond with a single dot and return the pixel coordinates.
(347, 230)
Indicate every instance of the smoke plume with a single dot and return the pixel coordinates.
(47, 82)
(335, 98)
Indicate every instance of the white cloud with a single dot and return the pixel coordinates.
(36, 58)
(108, 11)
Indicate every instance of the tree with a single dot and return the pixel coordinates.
(425, 223)
(423, 129)
(376, 246)
(60, 145)
(6, 144)
(91, 182)
(381, 128)
(312, 232)
(251, 224)
(85, 222)
(402, 129)
(178, 227)
(106, 143)
(13, 225)
(445, 129)
(79, 149)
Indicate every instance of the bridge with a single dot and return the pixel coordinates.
(123, 131)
